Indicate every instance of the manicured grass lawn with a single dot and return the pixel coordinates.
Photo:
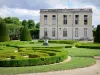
(83, 52)
(76, 62)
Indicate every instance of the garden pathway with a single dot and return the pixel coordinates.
(92, 70)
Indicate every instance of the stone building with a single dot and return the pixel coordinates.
(66, 24)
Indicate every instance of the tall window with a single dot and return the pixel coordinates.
(85, 32)
(76, 19)
(53, 19)
(45, 32)
(76, 32)
(45, 19)
(64, 32)
(85, 19)
(64, 19)
(53, 32)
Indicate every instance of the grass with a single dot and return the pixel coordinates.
(81, 57)
(83, 52)
(76, 62)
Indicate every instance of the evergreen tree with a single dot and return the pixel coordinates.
(25, 34)
(3, 32)
(97, 35)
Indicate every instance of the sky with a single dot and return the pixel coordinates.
(29, 9)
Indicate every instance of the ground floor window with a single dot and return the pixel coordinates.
(53, 32)
(45, 32)
(76, 32)
(64, 32)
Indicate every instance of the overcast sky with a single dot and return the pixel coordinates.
(29, 9)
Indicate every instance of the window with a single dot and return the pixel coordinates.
(64, 19)
(76, 19)
(85, 19)
(85, 32)
(53, 19)
(76, 32)
(64, 32)
(53, 32)
(45, 19)
(45, 32)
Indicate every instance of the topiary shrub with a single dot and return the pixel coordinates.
(25, 35)
(97, 35)
(3, 32)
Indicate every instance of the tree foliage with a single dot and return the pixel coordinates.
(25, 34)
(97, 35)
(38, 25)
(31, 24)
(25, 23)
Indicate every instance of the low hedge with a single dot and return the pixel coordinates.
(61, 41)
(53, 58)
(88, 45)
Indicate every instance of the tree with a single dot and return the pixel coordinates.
(25, 23)
(3, 32)
(8, 20)
(38, 25)
(15, 20)
(14, 31)
(31, 24)
(97, 35)
(25, 35)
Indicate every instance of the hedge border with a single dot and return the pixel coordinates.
(35, 61)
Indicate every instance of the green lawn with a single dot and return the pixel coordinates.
(83, 52)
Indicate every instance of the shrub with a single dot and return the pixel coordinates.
(61, 41)
(3, 32)
(54, 57)
(33, 56)
(25, 35)
(13, 57)
(97, 35)
(88, 45)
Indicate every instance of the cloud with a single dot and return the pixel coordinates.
(93, 2)
(29, 9)
(21, 13)
(25, 4)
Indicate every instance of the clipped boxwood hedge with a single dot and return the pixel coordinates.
(61, 41)
(53, 58)
(88, 45)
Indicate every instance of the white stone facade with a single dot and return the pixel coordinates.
(74, 30)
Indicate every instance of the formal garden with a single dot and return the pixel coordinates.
(31, 56)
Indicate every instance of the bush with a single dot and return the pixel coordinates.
(3, 32)
(61, 41)
(97, 35)
(88, 45)
(33, 56)
(34, 33)
(54, 57)
(25, 35)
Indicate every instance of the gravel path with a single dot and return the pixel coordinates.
(92, 70)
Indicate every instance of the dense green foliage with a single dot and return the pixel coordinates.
(97, 35)
(38, 25)
(61, 41)
(14, 31)
(3, 32)
(14, 26)
(35, 57)
(88, 45)
(34, 33)
(25, 35)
